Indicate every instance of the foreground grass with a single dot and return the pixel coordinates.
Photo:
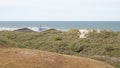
(96, 45)
(29, 58)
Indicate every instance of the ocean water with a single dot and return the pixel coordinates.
(106, 25)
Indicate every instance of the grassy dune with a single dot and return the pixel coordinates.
(104, 46)
(28, 58)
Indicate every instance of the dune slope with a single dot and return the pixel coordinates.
(27, 58)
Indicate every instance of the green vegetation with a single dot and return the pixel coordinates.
(106, 43)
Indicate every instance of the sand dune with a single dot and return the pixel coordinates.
(27, 58)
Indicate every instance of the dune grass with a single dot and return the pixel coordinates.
(106, 43)
(29, 58)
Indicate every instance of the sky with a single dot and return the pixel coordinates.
(59, 10)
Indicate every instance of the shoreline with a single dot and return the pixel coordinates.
(39, 29)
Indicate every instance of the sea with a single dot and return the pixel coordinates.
(62, 25)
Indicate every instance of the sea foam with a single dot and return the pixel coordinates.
(37, 29)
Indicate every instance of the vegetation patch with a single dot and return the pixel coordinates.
(106, 43)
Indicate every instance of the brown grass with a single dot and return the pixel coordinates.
(26, 58)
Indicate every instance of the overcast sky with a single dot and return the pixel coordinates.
(60, 10)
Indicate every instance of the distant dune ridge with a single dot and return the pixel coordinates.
(27, 58)
(24, 30)
(82, 32)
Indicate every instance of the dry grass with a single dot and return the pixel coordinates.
(26, 58)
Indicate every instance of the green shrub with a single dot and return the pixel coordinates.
(57, 38)
(109, 48)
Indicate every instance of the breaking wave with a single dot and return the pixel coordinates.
(37, 29)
